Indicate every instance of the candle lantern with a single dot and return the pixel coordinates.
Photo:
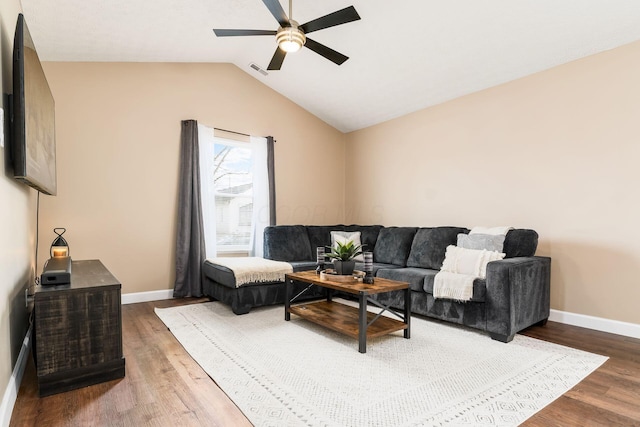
(59, 247)
(319, 259)
(368, 268)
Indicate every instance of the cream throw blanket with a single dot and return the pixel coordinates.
(460, 268)
(453, 286)
(253, 269)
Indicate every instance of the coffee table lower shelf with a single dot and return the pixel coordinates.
(344, 319)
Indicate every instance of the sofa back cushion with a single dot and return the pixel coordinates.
(430, 245)
(520, 242)
(368, 235)
(320, 235)
(287, 243)
(393, 245)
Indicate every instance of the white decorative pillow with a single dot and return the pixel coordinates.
(472, 262)
(345, 236)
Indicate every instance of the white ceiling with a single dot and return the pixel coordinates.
(404, 55)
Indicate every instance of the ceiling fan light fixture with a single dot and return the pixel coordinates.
(290, 39)
(291, 36)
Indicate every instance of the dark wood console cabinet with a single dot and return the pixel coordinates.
(78, 330)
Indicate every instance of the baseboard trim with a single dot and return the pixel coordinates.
(11, 392)
(597, 323)
(147, 296)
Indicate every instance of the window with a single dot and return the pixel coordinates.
(233, 181)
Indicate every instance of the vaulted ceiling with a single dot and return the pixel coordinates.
(404, 55)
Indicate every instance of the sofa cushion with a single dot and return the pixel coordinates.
(393, 245)
(287, 243)
(414, 276)
(303, 265)
(225, 276)
(430, 244)
(479, 288)
(320, 235)
(520, 242)
(219, 274)
(376, 266)
(368, 235)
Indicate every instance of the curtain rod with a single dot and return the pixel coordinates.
(231, 131)
(237, 133)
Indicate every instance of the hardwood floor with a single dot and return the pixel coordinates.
(610, 396)
(163, 386)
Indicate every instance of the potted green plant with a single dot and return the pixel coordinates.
(343, 255)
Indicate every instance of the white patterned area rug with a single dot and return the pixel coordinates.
(299, 374)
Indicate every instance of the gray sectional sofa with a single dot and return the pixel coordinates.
(514, 295)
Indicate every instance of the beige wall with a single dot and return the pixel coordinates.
(118, 130)
(17, 223)
(557, 152)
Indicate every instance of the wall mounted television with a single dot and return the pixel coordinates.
(33, 136)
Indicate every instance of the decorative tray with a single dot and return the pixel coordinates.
(330, 274)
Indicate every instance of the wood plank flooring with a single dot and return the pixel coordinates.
(163, 386)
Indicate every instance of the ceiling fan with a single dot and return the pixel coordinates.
(291, 36)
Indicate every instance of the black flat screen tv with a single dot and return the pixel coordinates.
(33, 136)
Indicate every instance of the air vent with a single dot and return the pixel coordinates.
(258, 69)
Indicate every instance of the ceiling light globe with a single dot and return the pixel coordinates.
(290, 46)
(290, 39)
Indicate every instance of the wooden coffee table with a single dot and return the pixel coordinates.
(354, 322)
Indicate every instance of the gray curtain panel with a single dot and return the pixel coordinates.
(190, 251)
(272, 179)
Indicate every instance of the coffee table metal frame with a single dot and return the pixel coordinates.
(355, 322)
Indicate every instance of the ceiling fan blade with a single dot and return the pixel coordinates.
(348, 14)
(276, 61)
(232, 33)
(276, 10)
(325, 51)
